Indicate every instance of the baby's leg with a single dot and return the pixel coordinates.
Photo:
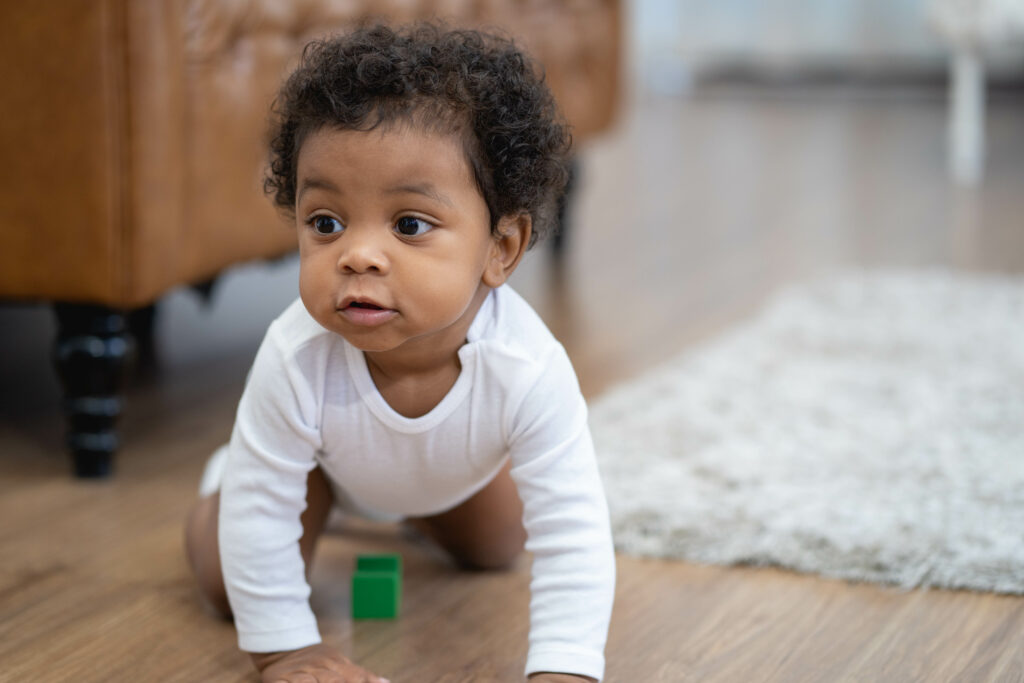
(201, 538)
(486, 531)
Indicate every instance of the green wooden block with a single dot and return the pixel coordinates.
(377, 587)
(385, 562)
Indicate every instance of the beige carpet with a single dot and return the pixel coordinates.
(868, 426)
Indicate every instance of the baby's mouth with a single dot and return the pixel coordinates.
(366, 313)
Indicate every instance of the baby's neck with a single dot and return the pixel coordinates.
(415, 392)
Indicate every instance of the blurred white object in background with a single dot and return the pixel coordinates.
(972, 27)
(978, 24)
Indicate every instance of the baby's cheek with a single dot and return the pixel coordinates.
(315, 272)
(451, 295)
(316, 297)
(306, 290)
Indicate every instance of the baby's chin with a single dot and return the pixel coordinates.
(369, 345)
(370, 341)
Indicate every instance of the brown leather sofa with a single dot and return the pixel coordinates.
(133, 150)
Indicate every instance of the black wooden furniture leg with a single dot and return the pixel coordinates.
(141, 324)
(92, 352)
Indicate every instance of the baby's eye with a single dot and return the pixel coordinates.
(325, 225)
(410, 226)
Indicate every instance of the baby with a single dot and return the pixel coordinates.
(408, 380)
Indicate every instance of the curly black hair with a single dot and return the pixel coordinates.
(475, 84)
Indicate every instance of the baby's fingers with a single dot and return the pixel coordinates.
(316, 664)
(365, 677)
(297, 678)
(330, 677)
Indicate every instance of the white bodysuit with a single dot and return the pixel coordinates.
(310, 400)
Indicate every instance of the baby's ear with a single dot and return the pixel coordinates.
(508, 248)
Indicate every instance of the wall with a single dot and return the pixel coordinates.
(675, 39)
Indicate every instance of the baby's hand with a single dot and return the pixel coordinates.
(316, 663)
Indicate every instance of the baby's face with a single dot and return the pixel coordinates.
(394, 238)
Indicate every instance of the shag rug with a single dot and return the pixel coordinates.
(867, 426)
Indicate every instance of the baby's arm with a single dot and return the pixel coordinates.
(566, 519)
(263, 495)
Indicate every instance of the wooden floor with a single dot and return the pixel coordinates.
(690, 215)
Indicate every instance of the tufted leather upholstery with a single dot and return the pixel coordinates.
(133, 142)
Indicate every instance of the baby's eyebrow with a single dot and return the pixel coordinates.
(425, 189)
(316, 183)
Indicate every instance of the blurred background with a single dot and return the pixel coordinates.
(904, 42)
(724, 149)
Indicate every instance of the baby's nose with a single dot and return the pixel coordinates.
(362, 252)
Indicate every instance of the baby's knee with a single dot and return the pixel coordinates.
(214, 596)
(499, 552)
(204, 556)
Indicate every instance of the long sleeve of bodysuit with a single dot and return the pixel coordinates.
(263, 494)
(566, 520)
